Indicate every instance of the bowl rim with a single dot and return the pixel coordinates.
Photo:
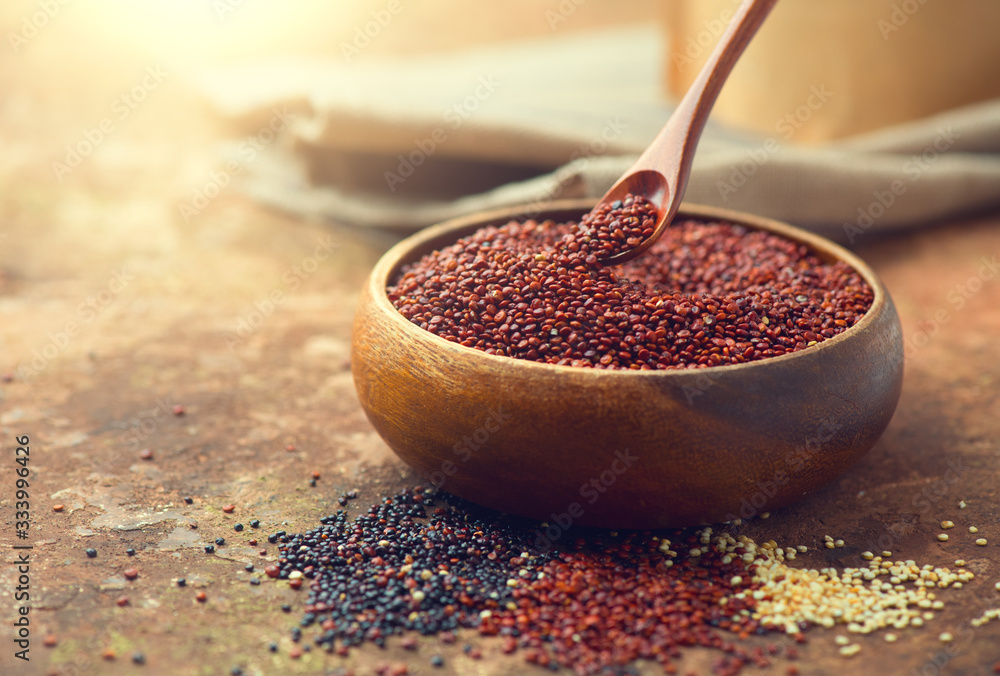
(399, 254)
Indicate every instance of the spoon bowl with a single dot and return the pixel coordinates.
(620, 448)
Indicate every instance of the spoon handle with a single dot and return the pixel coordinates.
(672, 152)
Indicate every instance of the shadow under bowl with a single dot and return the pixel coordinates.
(620, 448)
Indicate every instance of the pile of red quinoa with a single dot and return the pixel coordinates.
(425, 562)
(706, 294)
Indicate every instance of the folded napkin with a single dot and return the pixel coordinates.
(406, 143)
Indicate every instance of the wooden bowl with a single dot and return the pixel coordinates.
(617, 448)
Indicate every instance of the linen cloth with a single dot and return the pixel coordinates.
(406, 143)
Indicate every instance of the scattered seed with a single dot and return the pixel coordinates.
(220, 541)
(973, 529)
(981, 542)
(108, 654)
(422, 561)
(178, 410)
(987, 616)
(58, 508)
(947, 524)
(130, 551)
(90, 552)
(181, 582)
(850, 650)
(122, 601)
(50, 640)
(138, 658)
(254, 523)
(209, 549)
(228, 509)
(131, 573)
(443, 598)
(188, 501)
(201, 597)
(238, 527)
(946, 637)
(942, 537)
(146, 454)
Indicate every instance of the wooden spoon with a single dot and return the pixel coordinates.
(661, 172)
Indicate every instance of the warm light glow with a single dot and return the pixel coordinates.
(192, 34)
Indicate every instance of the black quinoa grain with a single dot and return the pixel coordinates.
(422, 562)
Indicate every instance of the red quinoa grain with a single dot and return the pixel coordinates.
(706, 294)
(420, 562)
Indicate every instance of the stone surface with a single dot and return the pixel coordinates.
(210, 314)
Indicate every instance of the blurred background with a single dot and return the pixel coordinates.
(192, 193)
(138, 129)
(148, 88)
